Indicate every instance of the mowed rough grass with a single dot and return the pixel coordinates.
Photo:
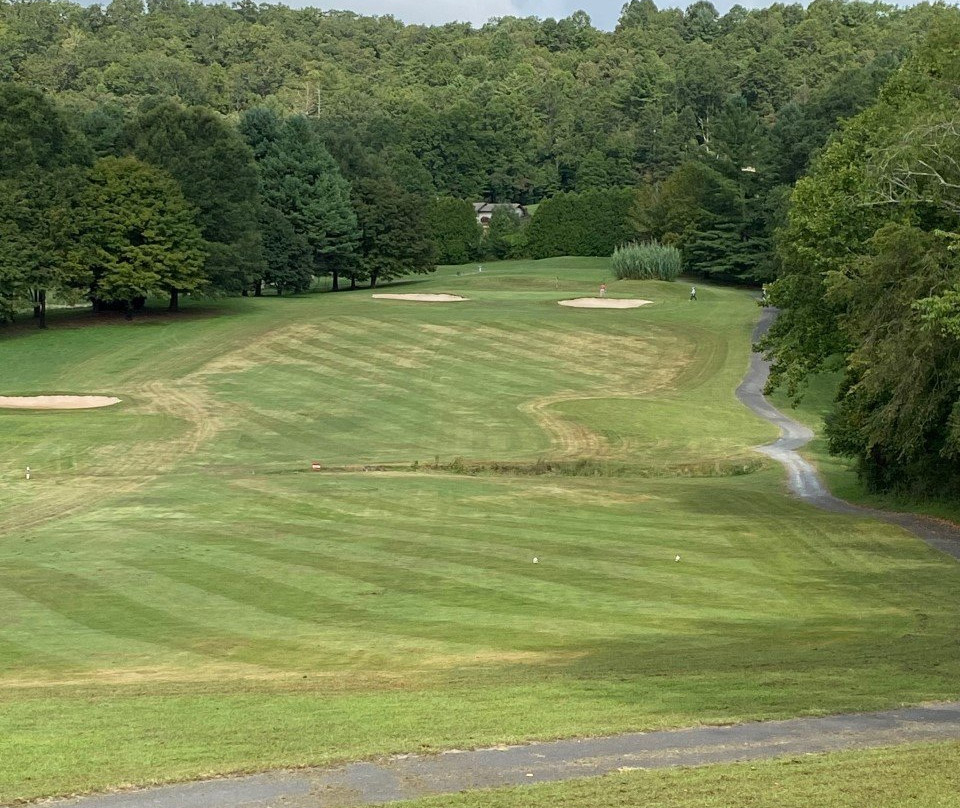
(182, 596)
(927, 775)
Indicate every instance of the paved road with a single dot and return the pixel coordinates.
(410, 776)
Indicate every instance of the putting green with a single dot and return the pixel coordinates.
(182, 595)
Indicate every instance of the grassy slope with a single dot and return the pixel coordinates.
(181, 597)
(927, 775)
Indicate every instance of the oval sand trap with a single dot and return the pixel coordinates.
(424, 298)
(605, 303)
(56, 402)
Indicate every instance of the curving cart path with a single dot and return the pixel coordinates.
(804, 480)
(411, 776)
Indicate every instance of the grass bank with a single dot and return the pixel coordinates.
(924, 775)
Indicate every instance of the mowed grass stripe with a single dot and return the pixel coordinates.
(102, 609)
(399, 418)
(306, 617)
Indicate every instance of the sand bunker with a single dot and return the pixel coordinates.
(425, 298)
(56, 402)
(605, 303)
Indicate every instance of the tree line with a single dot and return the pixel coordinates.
(180, 200)
(869, 281)
(685, 127)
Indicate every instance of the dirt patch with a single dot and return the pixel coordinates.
(424, 298)
(56, 402)
(605, 303)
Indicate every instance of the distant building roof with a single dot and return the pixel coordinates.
(490, 207)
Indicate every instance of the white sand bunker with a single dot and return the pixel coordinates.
(56, 402)
(605, 303)
(425, 298)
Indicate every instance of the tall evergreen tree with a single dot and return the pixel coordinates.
(455, 230)
(300, 179)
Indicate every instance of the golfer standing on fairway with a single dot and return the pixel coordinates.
(603, 290)
(693, 292)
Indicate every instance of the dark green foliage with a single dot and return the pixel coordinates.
(216, 171)
(394, 237)
(870, 278)
(300, 181)
(453, 226)
(591, 223)
(136, 234)
(38, 155)
(516, 110)
(505, 236)
(802, 127)
(289, 265)
(898, 409)
(16, 245)
(106, 129)
(34, 134)
(703, 212)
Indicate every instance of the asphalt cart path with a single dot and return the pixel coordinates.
(411, 776)
(804, 481)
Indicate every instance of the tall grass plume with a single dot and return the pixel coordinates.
(647, 260)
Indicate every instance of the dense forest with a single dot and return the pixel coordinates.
(870, 278)
(179, 147)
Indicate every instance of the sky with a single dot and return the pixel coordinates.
(603, 13)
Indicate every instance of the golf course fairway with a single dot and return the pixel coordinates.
(182, 595)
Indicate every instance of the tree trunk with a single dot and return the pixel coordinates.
(279, 290)
(373, 280)
(353, 281)
(336, 280)
(174, 300)
(42, 306)
(258, 288)
(245, 293)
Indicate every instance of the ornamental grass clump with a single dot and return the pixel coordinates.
(645, 261)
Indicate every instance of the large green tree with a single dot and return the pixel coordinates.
(394, 236)
(216, 171)
(870, 278)
(136, 234)
(38, 150)
(591, 223)
(300, 180)
(455, 231)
